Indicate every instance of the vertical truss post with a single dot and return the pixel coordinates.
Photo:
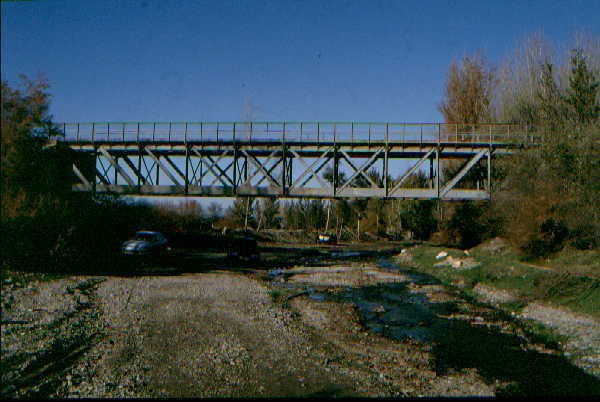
(431, 173)
(385, 160)
(157, 171)
(437, 173)
(235, 165)
(335, 169)
(139, 178)
(187, 160)
(489, 172)
(235, 168)
(284, 163)
(95, 164)
(187, 165)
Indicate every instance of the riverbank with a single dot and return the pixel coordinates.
(558, 302)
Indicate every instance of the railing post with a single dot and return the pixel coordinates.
(107, 131)
(234, 134)
(421, 142)
(138, 134)
(334, 132)
(153, 131)
(93, 132)
(185, 134)
(201, 132)
(352, 133)
(318, 133)
(170, 131)
(123, 132)
(77, 137)
(217, 131)
(387, 128)
(301, 131)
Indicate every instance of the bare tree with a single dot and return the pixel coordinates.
(468, 91)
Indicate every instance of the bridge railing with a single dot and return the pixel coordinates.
(305, 132)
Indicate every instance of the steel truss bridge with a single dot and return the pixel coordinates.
(288, 159)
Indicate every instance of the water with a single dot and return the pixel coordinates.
(477, 341)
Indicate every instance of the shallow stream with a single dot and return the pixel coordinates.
(460, 335)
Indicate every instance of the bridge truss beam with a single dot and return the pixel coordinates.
(301, 170)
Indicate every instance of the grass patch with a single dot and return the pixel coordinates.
(505, 271)
(20, 278)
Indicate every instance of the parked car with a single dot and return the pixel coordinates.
(146, 243)
(327, 238)
(243, 247)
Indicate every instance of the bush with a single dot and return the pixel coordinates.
(550, 239)
(419, 219)
(473, 223)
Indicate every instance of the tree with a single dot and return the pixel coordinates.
(582, 92)
(30, 172)
(242, 213)
(268, 213)
(468, 92)
(214, 211)
(418, 217)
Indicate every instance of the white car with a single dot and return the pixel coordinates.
(146, 242)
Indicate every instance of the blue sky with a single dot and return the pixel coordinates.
(266, 60)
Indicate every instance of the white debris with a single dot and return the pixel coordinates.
(441, 254)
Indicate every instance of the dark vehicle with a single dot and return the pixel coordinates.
(146, 243)
(327, 238)
(243, 247)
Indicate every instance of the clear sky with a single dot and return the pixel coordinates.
(265, 60)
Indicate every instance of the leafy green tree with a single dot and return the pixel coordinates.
(419, 218)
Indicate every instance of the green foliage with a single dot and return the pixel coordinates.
(472, 223)
(419, 218)
(550, 239)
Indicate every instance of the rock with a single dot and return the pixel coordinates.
(441, 254)
(379, 309)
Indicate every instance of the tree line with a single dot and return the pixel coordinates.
(543, 199)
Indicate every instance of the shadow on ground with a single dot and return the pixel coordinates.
(458, 344)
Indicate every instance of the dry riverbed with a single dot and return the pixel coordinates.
(231, 334)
